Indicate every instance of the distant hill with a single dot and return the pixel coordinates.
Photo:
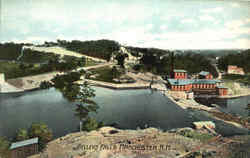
(212, 52)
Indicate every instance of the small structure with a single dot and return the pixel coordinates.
(23, 149)
(221, 90)
(232, 69)
(205, 75)
(179, 74)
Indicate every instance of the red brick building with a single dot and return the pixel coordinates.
(205, 83)
(191, 84)
(221, 91)
(205, 75)
(232, 69)
(23, 149)
(180, 74)
(180, 84)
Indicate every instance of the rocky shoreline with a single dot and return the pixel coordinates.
(109, 142)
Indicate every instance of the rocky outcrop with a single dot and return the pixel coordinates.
(109, 142)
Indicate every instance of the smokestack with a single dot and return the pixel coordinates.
(172, 65)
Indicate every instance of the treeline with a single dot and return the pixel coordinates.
(135, 50)
(33, 56)
(239, 59)
(193, 63)
(10, 51)
(100, 48)
(55, 63)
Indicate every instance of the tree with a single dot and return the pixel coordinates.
(45, 85)
(86, 104)
(90, 124)
(4, 146)
(41, 131)
(120, 57)
(22, 134)
(115, 72)
(83, 94)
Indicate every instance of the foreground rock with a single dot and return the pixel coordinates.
(109, 142)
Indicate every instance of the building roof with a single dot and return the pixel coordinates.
(179, 70)
(179, 81)
(204, 73)
(204, 81)
(24, 143)
(192, 81)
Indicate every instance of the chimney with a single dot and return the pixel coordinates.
(172, 65)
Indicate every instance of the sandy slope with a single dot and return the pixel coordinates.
(62, 51)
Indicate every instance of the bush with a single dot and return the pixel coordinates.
(138, 67)
(45, 85)
(41, 131)
(22, 134)
(90, 124)
(4, 147)
(195, 135)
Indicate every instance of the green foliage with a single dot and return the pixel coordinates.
(115, 73)
(120, 57)
(75, 92)
(101, 48)
(196, 135)
(106, 74)
(90, 124)
(138, 67)
(238, 78)
(10, 51)
(4, 147)
(193, 63)
(239, 59)
(14, 70)
(22, 134)
(135, 51)
(45, 85)
(33, 56)
(41, 131)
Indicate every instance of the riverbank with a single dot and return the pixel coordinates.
(142, 81)
(234, 96)
(28, 83)
(192, 104)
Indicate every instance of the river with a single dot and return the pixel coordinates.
(129, 109)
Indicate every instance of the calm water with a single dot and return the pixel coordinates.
(127, 108)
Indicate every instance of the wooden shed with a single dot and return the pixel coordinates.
(23, 149)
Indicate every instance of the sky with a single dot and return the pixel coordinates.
(165, 24)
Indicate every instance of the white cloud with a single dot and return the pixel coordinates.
(206, 18)
(163, 27)
(242, 43)
(212, 10)
(187, 21)
(237, 26)
(36, 40)
(235, 5)
(235, 23)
